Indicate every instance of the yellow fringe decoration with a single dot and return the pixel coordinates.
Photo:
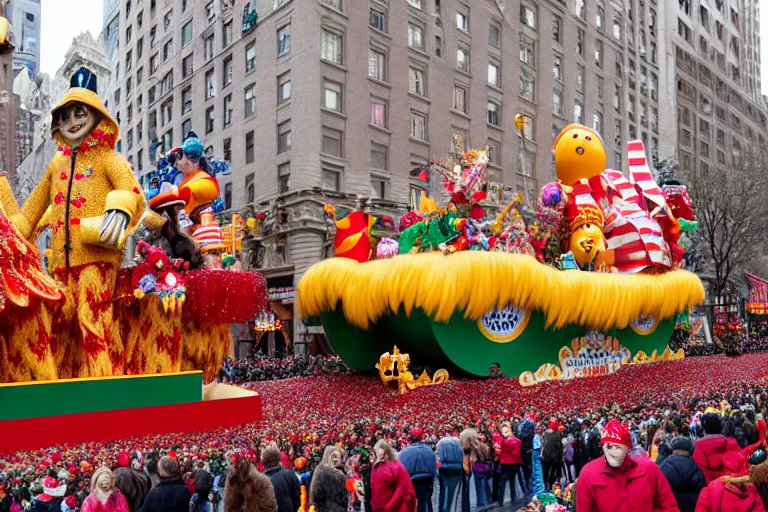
(476, 282)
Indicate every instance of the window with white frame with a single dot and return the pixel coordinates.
(600, 18)
(378, 19)
(283, 40)
(210, 120)
(527, 51)
(578, 7)
(209, 47)
(332, 179)
(494, 35)
(250, 57)
(416, 83)
(210, 84)
(378, 188)
(527, 86)
(283, 178)
(186, 34)
(597, 122)
(462, 19)
(578, 112)
(226, 77)
(186, 100)
(494, 76)
(557, 102)
(418, 126)
(617, 28)
(284, 87)
(250, 100)
(377, 65)
(493, 113)
(557, 68)
(460, 98)
(227, 110)
(332, 95)
(462, 59)
(330, 47)
(528, 16)
(415, 3)
(415, 37)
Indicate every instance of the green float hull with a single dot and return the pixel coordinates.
(459, 345)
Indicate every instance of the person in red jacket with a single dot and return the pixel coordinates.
(510, 450)
(712, 448)
(733, 492)
(391, 486)
(618, 482)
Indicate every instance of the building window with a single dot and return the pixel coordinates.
(580, 41)
(186, 126)
(129, 113)
(187, 65)
(379, 114)
(227, 34)
(528, 16)
(128, 34)
(151, 95)
(597, 122)
(283, 178)
(332, 142)
(600, 89)
(438, 46)
(600, 18)
(209, 47)
(415, 37)
(284, 40)
(557, 29)
(128, 60)
(578, 112)
(283, 87)
(250, 189)
(415, 3)
(283, 136)
(330, 47)
(153, 63)
(578, 8)
(378, 20)
(167, 112)
(617, 28)
(227, 110)
(186, 34)
(249, 148)
(557, 102)
(128, 87)
(494, 35)
(557, 68)
(527, 51)
(140, 48)
(168, 140)
(493, 74)
(378, 188)
(228, 196)
(580, 76)
(599, 54)
(416, 82)
(250, 57)
(527, 86)
(493, 113)
(460, 98)
(331, 180)
(127, 8)
(418, 126)
(226, 77)
(210, 84)
(379, 156)
(332, 95)
(168, 50)
(462, 21)
(462, 59)
(186, 100)
(167, 84)
(250, 100)
(209, 120)
(376, 65)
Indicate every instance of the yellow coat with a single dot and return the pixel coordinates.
(79, 187)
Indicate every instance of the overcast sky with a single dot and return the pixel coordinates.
(62, 21)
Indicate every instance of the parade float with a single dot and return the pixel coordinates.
(88, 341)
(592, 282)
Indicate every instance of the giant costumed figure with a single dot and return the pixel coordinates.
(94, 201)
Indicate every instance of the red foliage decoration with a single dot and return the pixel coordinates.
(220, 296)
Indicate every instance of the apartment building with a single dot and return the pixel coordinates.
(24, 16)
(320, 100)
(711, 93)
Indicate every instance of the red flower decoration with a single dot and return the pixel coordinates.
(59, 198)
(79, 176)
(136, 190)
(63, 176)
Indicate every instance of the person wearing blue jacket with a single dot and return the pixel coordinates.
(420, 462)
(451, 458)
(536, 483)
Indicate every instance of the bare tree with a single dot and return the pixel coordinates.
(731, 205)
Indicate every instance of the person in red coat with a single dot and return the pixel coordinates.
(618, 482)
(711, 450)
(733, 492)
(510, 450)
(391, 486)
